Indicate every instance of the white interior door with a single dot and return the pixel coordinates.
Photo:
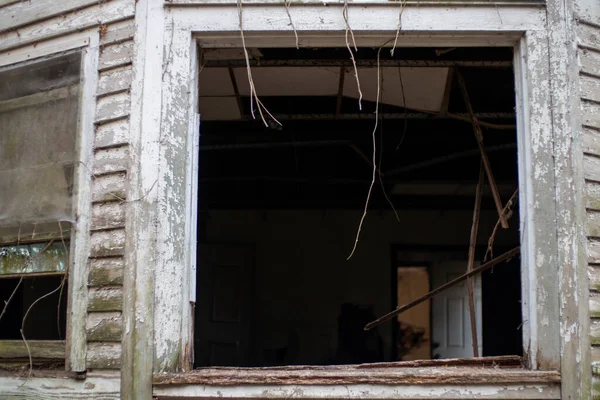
(451, 323)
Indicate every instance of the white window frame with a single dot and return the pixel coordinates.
(86, 41)
(165, 155)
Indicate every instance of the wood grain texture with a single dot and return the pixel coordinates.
(108, 215)
(104, 327)
(105, 299)
(116, 55)
(119, 31)
(45, 349)
(104, 355)
(109, 187)
(114, 80)
(111, 160)
(107, 243)
(112, 107)
(105, 272)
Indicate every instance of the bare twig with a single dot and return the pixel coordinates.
(405, 109)
(381, 146)
(64, 279)
(362, 155)
(7, 302)
(471, 262)
(287, 10)
(508, 213)
(348, 29)
(504, 257)
(484, 157)
(253, 96)
(374, 161)
(402, 6)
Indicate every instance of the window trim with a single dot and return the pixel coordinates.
(166, 332)
(87, 42)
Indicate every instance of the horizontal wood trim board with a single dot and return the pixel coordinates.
(111, 160)
(108, 216)
(104, 327)
(354, 3)
(59, 388)
(45, 349)
(118, 32)
(387, 376)
(109, 187)
(94, 15)
(104, 355)
(116, 55)
(114, 80)
(106, 271)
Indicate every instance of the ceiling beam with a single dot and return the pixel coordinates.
(359, 63)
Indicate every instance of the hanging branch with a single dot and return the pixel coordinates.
(508, 213)
(402, 6)
(471, 262)
(348, 29)
(253, 96)
(484, 157)
(374, 160)
(504, 257)
(287, 10)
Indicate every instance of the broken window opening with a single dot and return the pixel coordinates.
(279, 207)
(39, 119)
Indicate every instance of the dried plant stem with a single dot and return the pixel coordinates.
(7, 302)
(253, 96)
(64, 279)
(405, 109)
(287, 10)
(471, 261)
(507, 212)
(402, 6)
(349, 30)
(374, 162)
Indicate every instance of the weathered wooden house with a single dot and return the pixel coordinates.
(211, 198)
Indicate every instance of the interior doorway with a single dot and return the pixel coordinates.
(293, 187)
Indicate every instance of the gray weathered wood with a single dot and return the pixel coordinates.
(589, 62)
(105, 271)
(104, 355)
(91, 16)
(107, 243)
(595, 332)
(26, 12)
(48, 349)
(591, 167)
(111, 134)
(591, 141)
(112, 107)
(119, 31)
(594, 276)
(590, 114)
(105, 299)
(111, 160)
(588, 36)
(592, 190)
(114, 80)
(593, 250)
(104, 327)
(593, 224)
(107, 216)
(116, 55)
(109, 187)
(590, 86)
(59, 388)
(594, 304)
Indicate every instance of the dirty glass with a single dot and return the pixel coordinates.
(39, 105)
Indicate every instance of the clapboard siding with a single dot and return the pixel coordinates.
(105, 299)
(110, 108)
(113, 81)
(111, 160)
(105, 272)
(110, 187)
(116, 55)
(97, 13)
(103, 355)
(104, 326)
(108, 243)
(108, 215)
(588, 40)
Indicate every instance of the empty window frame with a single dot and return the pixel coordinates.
(39, 140)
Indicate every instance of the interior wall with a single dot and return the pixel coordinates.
(303, 277)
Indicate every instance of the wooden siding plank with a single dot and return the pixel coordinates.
(105, 299)
(588, 36)
(104, 355)
(594, 278)
(595, 332)
(59, 388)
(111, 187)
(590, 113)
(589, 62)
(114, 80)
(118, 31)
(116, 55)
(105, 271)
(111, 134)
(27, 12)
(590, 87)
(104, 327)
(107, 243)
(591, 141)
(594, 305)
(46, 349)
(591, 167)
(71, 22)
(593, 224)
(112, 107)
(107, 216)
(111, 160)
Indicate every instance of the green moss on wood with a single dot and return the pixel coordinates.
(105, 276)
(106, 300)
(106, 331)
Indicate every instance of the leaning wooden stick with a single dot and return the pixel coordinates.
(484, 157)
(504, 257)
(471, 263)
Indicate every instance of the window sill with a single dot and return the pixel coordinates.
(380, 381)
